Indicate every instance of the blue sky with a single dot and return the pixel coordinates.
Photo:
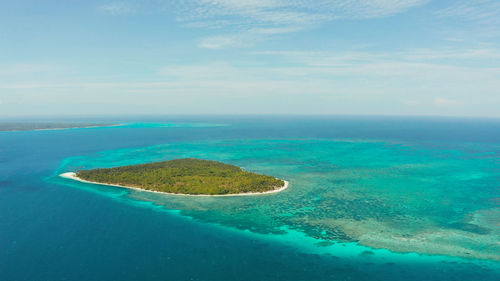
(381, 57)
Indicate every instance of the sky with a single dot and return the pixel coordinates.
(327, 57)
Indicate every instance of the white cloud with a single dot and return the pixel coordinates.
(251, 21)
(480, 11)
(1, 102)
(329, 83)
(297, 11)
(223, 41)
(245, 39)
(444, 102)
(116, 8)
(255, 20)
(477, 57)
(458, 54)
(409, 82)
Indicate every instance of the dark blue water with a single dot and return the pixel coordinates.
(49, 231)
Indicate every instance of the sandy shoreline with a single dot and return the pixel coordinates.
(72, 176)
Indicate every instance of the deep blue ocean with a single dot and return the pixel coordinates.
(370, 198)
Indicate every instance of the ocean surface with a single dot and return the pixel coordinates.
(370, 198)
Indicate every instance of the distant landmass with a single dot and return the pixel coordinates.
(31, 126)
(184, 176)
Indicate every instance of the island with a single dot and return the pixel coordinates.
(41, 126)
(187, 176)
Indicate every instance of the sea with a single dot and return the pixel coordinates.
(370, 198)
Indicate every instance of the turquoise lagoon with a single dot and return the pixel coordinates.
(369, 199)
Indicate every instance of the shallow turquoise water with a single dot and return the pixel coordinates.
(394, 195)
(359, 207)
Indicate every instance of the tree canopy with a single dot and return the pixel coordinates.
(185, 176)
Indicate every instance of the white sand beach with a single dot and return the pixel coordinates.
(72, 176)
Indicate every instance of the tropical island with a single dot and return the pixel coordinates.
(186, 176)
(40, 126)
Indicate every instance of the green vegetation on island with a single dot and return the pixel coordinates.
(185, 176)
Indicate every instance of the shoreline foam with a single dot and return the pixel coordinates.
(72, 176)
